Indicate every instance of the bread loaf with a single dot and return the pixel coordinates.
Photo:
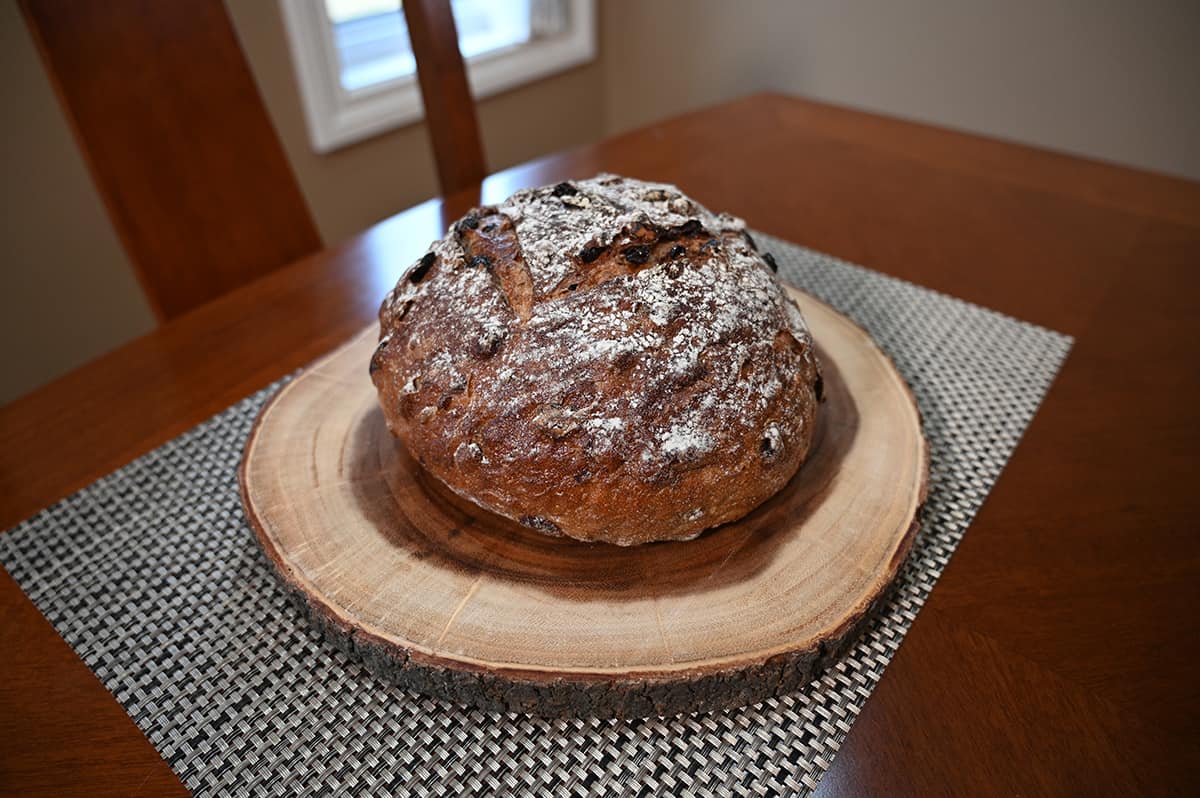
(603, 359)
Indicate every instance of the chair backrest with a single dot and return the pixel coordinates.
(178, 141)
(449, 108)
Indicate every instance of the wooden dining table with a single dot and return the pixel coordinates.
(1058, 653)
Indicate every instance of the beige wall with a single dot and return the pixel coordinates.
(1104, 78)
(1108, 79)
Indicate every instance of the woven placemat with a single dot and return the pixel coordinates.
(153, 577)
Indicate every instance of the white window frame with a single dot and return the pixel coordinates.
(337, 117)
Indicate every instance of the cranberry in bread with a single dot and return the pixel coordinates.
(603, 359)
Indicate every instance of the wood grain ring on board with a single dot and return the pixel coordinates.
(441, 596)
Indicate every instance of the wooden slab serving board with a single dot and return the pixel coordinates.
(444, 597)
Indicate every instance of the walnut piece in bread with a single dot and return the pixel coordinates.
(603, 359)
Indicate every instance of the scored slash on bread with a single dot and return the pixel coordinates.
(604, 359)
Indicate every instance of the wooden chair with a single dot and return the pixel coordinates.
(449, 109)
(182, 151)
(178, 141)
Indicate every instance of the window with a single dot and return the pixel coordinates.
(357, 74)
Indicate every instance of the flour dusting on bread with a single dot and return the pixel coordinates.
(607, 341)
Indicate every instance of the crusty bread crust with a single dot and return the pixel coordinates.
(603, 359)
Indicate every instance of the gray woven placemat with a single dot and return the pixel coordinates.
(153, 577)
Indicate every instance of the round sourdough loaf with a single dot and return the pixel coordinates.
(604, 359)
